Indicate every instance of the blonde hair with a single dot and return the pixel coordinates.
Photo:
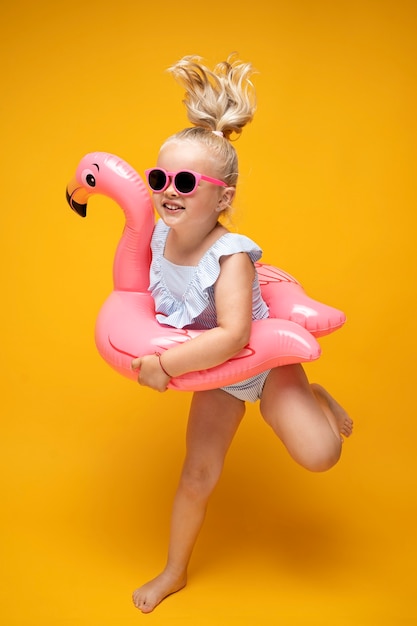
(219, 102)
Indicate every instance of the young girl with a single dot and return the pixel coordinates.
(203, 276)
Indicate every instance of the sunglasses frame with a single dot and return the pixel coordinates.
(171, 176)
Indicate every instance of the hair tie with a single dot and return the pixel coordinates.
(219, 133)
(158, 354)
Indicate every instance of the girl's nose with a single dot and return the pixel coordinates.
(170, 190)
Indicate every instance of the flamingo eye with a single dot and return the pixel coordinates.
(90, 180)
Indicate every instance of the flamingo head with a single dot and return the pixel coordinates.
(102, 173)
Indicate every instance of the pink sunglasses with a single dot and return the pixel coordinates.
(184, 182)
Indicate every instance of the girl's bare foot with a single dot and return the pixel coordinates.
(147, 597)
(344, 422)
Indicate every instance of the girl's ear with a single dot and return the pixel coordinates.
(226, 198)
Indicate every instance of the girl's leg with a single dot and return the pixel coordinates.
(305, 417)
(213, 421)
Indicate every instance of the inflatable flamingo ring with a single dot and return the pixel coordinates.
(126, 326)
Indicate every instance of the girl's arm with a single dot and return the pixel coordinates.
(233, 297)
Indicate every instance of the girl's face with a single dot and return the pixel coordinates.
(208, 200)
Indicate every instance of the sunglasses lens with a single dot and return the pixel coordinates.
(185, 182)
(157, 180)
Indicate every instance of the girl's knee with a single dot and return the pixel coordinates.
(322, 459)
(198, 482)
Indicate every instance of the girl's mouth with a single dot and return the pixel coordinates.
(172, 207)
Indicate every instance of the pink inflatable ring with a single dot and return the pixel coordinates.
(126, 326)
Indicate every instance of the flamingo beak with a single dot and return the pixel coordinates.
(77, 197)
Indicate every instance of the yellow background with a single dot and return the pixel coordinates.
(89, 461)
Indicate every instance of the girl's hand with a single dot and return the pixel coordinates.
(151, 374)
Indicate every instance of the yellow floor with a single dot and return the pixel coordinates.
(86, 509)
(88, 460)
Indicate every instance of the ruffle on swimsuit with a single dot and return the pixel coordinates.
(196, 305)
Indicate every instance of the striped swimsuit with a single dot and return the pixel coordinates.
(184, 295)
